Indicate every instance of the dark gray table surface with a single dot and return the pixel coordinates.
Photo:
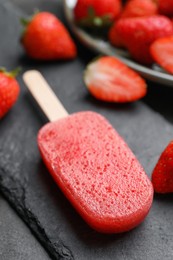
(34, 200)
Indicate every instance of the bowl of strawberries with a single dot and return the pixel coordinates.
(139, 33)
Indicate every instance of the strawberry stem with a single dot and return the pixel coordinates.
(26, 21)
(93, 20)
(12, 73)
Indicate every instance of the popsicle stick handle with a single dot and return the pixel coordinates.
(43, 94)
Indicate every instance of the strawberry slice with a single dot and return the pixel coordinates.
(162, 176)
(162, 52)
(110, 80)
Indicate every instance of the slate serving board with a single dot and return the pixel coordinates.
(25, 181)
(16, 240)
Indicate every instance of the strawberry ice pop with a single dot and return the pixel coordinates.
(93, 166)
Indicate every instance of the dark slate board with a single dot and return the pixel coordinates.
(26, 183)
(16, 240)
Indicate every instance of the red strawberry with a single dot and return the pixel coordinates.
(114, 37)
(9, 90)
(108, 79)
(139, 33)
(138, 8)
(162, 176)
(162, 52)
(97, 12)
(165, 7)
(46, 38)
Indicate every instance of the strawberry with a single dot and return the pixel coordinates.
(46, 38)
(114, 37)
(110, 80)
(140, 32)
(138, 8)
(132, 8)
(162, 52)
(97, 13)
(165, 7)
(162, 176)
(9, 90)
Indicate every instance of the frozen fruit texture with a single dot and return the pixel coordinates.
(96, 171)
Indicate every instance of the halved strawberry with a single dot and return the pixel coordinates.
(138, 33)
(162, 52)
(162, 176)
(110, 80)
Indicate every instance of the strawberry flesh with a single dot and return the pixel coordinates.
(110, 80)
(162, 52)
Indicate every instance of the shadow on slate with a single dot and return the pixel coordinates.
(26, 183)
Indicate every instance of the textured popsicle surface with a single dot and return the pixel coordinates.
(97, 171)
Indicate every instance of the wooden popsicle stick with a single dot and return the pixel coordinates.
(44, 95)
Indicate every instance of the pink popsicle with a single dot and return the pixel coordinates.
(96, 171)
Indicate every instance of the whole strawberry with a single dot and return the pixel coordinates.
(46, 38)
(97, 13)
(132, 8)
(138, 8)
(162, 176)
(9, 90)
(114, 38)
(138, 33)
